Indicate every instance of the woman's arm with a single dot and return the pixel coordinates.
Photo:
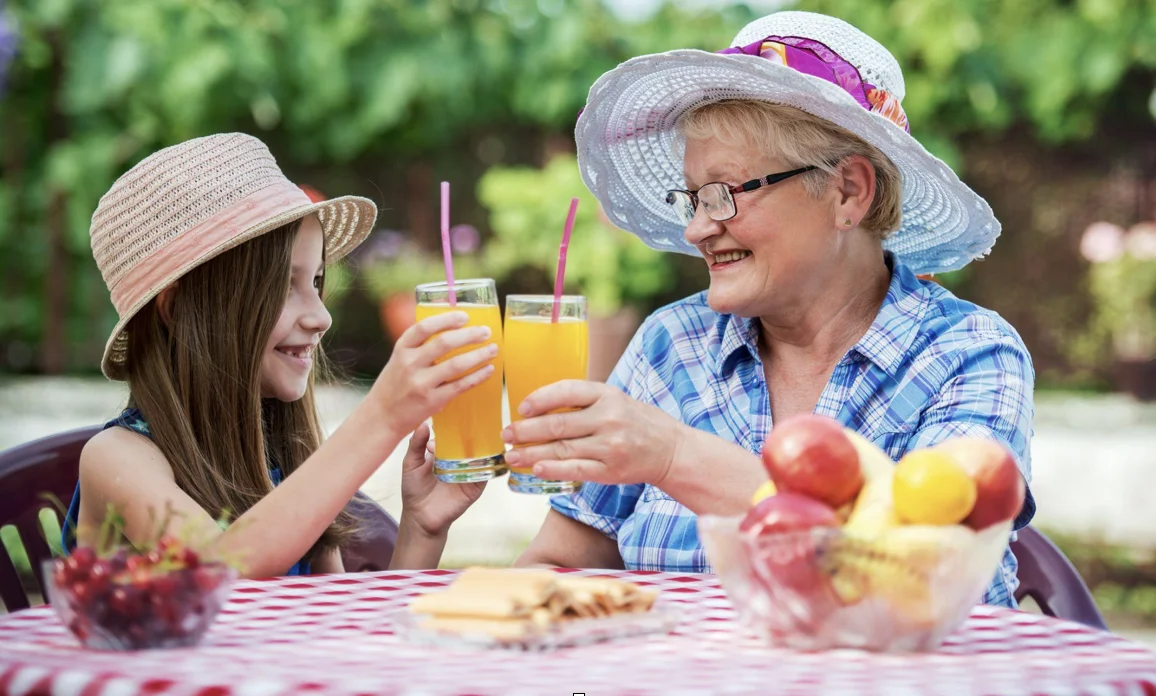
(566, 543)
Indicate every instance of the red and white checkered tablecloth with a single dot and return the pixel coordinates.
(332, 635)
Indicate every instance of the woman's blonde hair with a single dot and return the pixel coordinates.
(800, 139)
(196, 379)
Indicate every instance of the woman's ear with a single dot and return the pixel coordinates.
(856, 188)
(165, 304)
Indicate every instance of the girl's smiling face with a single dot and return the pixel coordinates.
(288, 357)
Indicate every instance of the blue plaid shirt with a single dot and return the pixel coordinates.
(930, 367)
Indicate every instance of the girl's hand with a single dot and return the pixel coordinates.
(412, 386)
(429, 504)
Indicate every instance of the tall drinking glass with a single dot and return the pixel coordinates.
(540, 351)
(468, 431)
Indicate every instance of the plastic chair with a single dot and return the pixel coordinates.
(1049, 578)
(47, 465)
(51, 465)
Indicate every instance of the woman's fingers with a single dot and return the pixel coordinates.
(568, 393)
(552, 427)
(581, 448)
(572, 470)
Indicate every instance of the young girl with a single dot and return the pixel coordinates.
(215, 263)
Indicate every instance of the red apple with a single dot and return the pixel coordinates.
(787, 512)
(784, 560)
(811, 455)
(999, 487)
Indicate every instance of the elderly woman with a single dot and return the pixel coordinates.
(786, 163)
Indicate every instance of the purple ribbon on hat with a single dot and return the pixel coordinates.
(816, 59)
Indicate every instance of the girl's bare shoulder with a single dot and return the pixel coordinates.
(116, 450)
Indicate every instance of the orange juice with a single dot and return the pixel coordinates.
(470, 426)
(540, 352)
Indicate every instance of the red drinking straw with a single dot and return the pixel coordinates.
(561, 273)
(447, 254)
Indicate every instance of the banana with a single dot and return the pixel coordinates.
(874, 509)
(900, 566)
(873, 461)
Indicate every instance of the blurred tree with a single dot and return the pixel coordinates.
(383, 97)
(96, 86)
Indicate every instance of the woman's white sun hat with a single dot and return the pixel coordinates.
(630, 151)
(188, 203)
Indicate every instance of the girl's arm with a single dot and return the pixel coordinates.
(129, 472)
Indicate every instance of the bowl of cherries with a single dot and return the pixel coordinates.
(166, 597)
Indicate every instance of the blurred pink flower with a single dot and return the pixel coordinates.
(465, 239)
(1141, 240)
(1102, 242)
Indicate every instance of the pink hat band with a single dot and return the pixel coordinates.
(206, 238)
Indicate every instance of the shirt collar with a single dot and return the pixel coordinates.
(885, 343)
(891, 335)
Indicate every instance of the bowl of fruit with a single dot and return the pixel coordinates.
(844, 548)
(120, 600)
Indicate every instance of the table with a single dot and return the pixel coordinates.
(331, 635)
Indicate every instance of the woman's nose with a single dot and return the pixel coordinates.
(701, 227)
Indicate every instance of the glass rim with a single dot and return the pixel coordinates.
(545, 298)
(463, 283)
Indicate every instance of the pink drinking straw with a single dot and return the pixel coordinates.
(447, 253)
(561, 273)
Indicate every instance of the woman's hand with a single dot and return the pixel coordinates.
(610, 438)
(431, 506)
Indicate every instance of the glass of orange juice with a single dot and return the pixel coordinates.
(540, 351)
(468, 431)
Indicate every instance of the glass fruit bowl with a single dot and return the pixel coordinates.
(904, 589)
(135, 602)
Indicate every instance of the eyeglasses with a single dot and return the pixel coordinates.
(718, 198)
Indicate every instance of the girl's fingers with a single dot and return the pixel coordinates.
(445, 342)
(421, 332)
(458, 365)
(473, 379)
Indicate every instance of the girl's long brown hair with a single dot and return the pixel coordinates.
(196, 379)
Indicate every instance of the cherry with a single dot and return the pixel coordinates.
(207, 578)
(77, 565)
(164, 585)
(100, 575)
(81, 594)
(189, 558)
(119, 561)
(126, 601)
(141, 578)
(135, 563)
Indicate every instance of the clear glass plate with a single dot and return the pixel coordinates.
(661, 619)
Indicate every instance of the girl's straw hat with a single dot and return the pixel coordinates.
(187, 203)
(630, 150)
